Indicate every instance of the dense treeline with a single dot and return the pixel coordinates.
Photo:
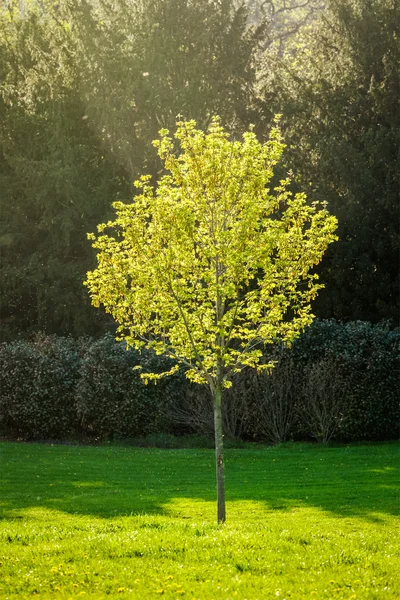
(85, 86)
(337, 383)
(337, 85)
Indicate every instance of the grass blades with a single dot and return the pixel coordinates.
(303, 521)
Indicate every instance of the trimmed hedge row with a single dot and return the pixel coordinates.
(367, 360)
(38, 383)
(337, 382)
(111, 398)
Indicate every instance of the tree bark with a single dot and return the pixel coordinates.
(219, 453)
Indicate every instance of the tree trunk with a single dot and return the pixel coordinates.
(219, 453)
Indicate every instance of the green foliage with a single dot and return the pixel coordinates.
(337, 88)
(347, 375)
(53, 178)
(111, 398)
(154, 60)
(211, 264)
(58, 388)
(84, 88)
(102, 521)
(37, 382)
(367, 359)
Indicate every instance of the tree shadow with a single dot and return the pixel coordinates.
(106, 482)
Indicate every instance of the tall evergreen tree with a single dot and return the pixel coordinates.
(84, 88)
(53, 180)
(337, 85)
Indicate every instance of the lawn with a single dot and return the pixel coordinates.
(303, 521)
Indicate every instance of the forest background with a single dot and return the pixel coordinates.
(85, 87)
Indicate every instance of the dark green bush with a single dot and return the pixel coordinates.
(112, 400)
(366, 357)
(337, 382)
(37, 381)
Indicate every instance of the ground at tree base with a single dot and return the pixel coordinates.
(303, 521)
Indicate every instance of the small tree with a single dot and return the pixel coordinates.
(211, 265)
(275, 401)
(325, 401)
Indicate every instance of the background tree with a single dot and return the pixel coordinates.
(148, 61)
(337, 85)
(84, 88)
(211, 265)
(55, 176)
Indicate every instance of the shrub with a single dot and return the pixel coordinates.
(112, 400)
(38, 381)
(192, 409)
(366, 358)
(373, 367)
(323, 401)
(273, 403)
(337, 382)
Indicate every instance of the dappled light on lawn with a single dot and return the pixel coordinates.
(130, 522)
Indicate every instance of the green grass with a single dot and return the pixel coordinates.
(304, 521)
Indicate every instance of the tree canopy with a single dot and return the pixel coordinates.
(208, 264)
(212, 263)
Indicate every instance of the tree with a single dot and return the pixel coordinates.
(56, 179)
(84, 89)
(337, 87)
(147, 61)
(211, 264)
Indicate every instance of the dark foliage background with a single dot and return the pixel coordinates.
(337, 383)
(85, 87)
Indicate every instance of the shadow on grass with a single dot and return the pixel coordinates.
(355, 481)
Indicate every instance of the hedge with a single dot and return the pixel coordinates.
(366, 358)
(111, 398)
(38, 382)
(336, 383)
